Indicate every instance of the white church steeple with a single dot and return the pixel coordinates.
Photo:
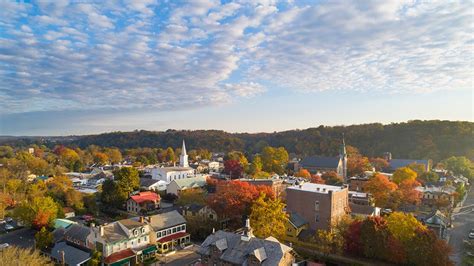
(183, 158)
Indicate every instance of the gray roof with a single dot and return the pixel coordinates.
(398, 163)
(297, 220)
(191, 182)
(131, 223)
(320, 162)
(166, 220)
(72, 256)
(269, 250)
(114, 233)
(361, 209)
(146, 182)
(78, 232)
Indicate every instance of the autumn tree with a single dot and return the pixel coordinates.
(425, 248)
(374, 236)
(40, 212)
(418, 168)
(169, 155)
(191, 196)
(114, 155)
(237, 156)
(127, 178)
(403, 173)
(274, 159)
(23, 257)
(267, 217)
(380, 164)
(43, 238)
(357, 165)
(332, 178)
(256, 166)
(100, 158)
(316, 179)
(352, 239)
(303, 173)
(380, 188)
(404, 227)
(428, 177)
(233, 168)
(408, 192)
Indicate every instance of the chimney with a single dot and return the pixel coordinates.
(101, 230)
(141, 219)
(324, 190)
(317, 189)
(247, 231)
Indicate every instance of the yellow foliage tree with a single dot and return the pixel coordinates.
(402, 174)
(268, 218)
(403, 226)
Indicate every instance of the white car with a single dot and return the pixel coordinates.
(9, 227)
(471, 234)
(4, 245)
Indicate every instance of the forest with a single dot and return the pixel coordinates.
(433, 139)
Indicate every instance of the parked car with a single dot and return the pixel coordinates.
(471, 234)
(3, 222)
(9, 227)
(9, 219)
(4, 245)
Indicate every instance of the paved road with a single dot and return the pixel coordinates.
(22, 238)
(180, 258)
(463, 222)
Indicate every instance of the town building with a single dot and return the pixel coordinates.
(227, 248)
(169, 231)
(321, 164)
(320, 205)
(143, 202)
(436, 221)
(277, 185)
(203, 212)
(433, 195)
(169, 174)
(152, 184)
(123, 242)
(357, 183)
(72, 246)
(178, 185)
(298, 231)
(394, 164)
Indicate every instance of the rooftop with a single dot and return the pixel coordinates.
(145, 196)
(165, 220)
(73, 256)
(320, 162)
(317, 188)
(191, 182)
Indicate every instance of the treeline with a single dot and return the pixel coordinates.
(417, 139)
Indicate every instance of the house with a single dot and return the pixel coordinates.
(394, 164)
(358, 183)
(436, 221)
(203, 212)
(363, 210)
(169, 174)
(277, 185)
(227, 248)
(123, 242)
(178, 185)
(213, 166)
(68, 212)
(143, 202)
(169, 231)
(65, 254)
(152, 184)
(432, 195)
(320, 164)
(297, 230)
(320, 205)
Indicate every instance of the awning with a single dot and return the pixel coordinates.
(150, 249)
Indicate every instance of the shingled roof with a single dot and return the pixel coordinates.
(237, 251)
(320, 162)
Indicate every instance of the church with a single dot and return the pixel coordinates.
(321, 164)
(168, 174)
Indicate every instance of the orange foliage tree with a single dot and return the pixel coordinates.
(380, 188)
(316, 179)
(303, 173)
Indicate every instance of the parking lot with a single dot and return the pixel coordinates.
(24, 238)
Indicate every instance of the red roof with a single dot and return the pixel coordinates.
(171, 237)
(145, 196)
(118, 256)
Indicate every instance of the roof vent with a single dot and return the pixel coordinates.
(324, 190)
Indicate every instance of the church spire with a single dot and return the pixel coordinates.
(183, 158)
(343, 147)
(343, 157)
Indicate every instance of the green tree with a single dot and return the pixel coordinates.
(191, 196)
(40, 212)
(267, 217)
(43, 238)
(274, 160)
(127, 178)
(402, 174)
(429, 177)
(114, 155)
(20, 256)
(169, 155)
(95, 259)
(460, 166)
(6, 152)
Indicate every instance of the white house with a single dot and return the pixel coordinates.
(181, 184)
(169, 174)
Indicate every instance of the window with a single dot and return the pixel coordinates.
(316, 205)
(174, 229)
(211, 216)
(158, 234)
(317, 218)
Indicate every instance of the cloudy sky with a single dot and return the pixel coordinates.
(84, 67)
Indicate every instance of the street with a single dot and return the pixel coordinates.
(181, 257)
(23, 238)
(463, 222)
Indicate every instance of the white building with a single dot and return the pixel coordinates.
(169, 174)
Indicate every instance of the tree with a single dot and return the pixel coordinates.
(237, 156)
(40, 212)
(169, 155)
(374, 236)
(428, 177)
(274, 159)
(191, 196)
(316, 179)
(67, 157)
(74, 199)
(352, 239)
(113, 194)
(114, 155)
(23, 257)
(95, 259)
(303, 173)
(404, 227)
(43, 238)
(233, 168)
(100, 158)
(409, 195)
(460, 166)
(380, 188)
(6, 152)
(357, 165)
(256, 165)
(403, 173)
(127, 179)
(380, 164)
(332, 178)
(426, 248)
(418, 168)
(268, 218)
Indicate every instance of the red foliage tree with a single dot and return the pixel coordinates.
(234, 198)
(233, 168)
(380, 188)
(352, 243)
(316, 179)
(408, 192)
(41, 219)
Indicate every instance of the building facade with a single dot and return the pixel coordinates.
(319, 205)
(143, 202)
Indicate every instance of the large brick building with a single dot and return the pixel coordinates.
(320, 205)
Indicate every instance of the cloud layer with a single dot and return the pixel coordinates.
(58, 56)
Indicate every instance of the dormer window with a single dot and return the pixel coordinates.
(143, 230)
(135, 232)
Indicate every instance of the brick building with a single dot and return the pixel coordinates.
(320, 205)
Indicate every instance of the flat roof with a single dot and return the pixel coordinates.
(317, 188)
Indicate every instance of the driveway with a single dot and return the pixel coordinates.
(462, 223)
(23, 238)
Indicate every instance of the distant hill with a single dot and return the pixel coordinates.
(414, 139)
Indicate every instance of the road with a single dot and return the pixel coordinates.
(23, 238)
(462, 223)
(181, 257)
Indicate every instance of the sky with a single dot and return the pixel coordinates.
(86, 67)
